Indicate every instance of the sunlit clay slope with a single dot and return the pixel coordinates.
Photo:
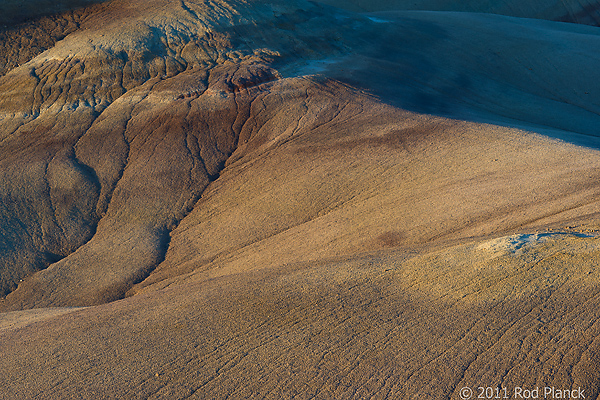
(109, 138)
(254, 199)
(515, 312)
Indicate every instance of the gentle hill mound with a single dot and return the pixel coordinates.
(86, 164)
(576, 11)
(514, 312)
(98, 187)
(485, 68)
(281, 199)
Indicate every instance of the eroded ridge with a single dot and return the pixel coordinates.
(239, 176)
(119, 133)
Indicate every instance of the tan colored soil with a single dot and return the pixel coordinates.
(252, 199)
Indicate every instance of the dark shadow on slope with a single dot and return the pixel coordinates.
(586, 12)
(119, 290)
(418, 65)
(69, 223)
(590, 15)
(483, 68)
(21, 43)
(13, 12)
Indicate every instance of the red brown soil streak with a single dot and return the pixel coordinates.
(321, 243)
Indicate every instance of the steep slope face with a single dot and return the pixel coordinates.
(109, 138)
(340, 174)
(576, 11)
(106, 120)
(20, 43)
(279, 234)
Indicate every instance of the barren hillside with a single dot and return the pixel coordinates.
(285, 199)
(575, 11)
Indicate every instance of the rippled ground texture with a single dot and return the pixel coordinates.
(253, 199)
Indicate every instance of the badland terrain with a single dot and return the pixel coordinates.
(345, 199)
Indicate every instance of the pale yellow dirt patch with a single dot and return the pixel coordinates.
(21, 319)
